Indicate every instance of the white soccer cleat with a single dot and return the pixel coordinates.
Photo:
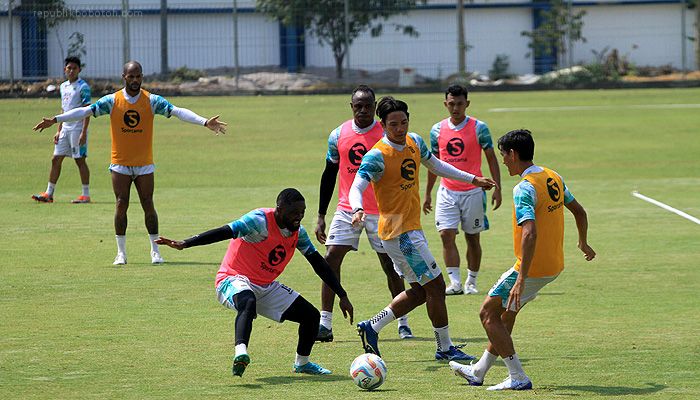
(513, 384)
(156, 258)
(120, 259)
(471, 289)
(454, 288)
(466, 372)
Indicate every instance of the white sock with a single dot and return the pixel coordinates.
(484, 364)
(50, 188)
(327, 319)
(442, 338)
(121, 244)
(403, 321)
(241, 349)
(301, 360)
(86, 190)
(154, 246)
(514, 367)
(381, 320)
(453, 273)
(471, 277)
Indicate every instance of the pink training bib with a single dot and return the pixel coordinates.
(460, 149)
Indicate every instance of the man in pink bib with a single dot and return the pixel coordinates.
(262, 245)
(346, 146)
(459, 141)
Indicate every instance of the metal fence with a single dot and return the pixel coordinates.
(233, 36)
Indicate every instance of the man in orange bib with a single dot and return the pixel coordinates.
(539, 200)
(392, 167)
(131, 112)
(262, 245)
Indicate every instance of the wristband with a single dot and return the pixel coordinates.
(356, 210)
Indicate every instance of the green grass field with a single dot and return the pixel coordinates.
(75, 327)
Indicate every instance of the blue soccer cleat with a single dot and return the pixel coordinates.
(311, 369)
(369, 337)
(453, 353)
(405, 332)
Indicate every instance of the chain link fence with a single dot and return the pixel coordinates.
(230, 37)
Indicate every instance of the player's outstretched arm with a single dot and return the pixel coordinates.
(208, 237)
(441, 168)
(215, 125)
(582, 226)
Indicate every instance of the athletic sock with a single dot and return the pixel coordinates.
(121, 244)
(50, 188)
(403, 321)
(327, 319)
(380, 320)
(484, 364)
(514, 367)
(301, 360)
(241, 348)
(442, 338)
(453, 273)
(471, 277)
(154, 246)
(86, 190)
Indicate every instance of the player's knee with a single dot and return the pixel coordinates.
(245, 302)
(488, 314)
(122, 203)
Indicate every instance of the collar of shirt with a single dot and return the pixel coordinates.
(362, 131)
(128, 97)
(531, 170)
(457, 127)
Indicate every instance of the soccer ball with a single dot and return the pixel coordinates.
(368, 371)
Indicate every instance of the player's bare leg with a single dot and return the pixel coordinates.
(84, 180)
(145, 186)
(54, 173)
(334, 257)
(473, 262)
(450, 254)
(121, 184)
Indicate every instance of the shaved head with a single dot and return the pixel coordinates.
(131, 65)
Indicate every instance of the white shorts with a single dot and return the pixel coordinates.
(342, 233)
(466, 208)
(412, 258)
(271, 301)
(505, 283)
(69, 145)
(133, 172)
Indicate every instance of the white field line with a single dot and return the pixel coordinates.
(596, 108)
(665, 207)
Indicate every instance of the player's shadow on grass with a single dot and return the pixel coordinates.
(287, 380)
(612, 390)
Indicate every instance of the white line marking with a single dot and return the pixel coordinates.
(666, 207)
(596, 108)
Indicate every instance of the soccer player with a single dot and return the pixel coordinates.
(71, 138)
(346, 146)
(459, 140)
(392, 168)
(263, 243)
(131, 112)
(538, 235)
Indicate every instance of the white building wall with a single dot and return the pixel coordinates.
(645, 34)
(5, 48)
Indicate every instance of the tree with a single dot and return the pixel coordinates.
(325, 20)
(559, 26)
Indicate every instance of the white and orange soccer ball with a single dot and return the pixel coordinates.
(368, 371)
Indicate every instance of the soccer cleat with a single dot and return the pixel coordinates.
(311, 369)
(120, 259)
(239, 363)
(453, 353)
(454, 288)
(156, 258)
(369, 337)
(324, 334)
(510, 384)
(405, 332)
(471, 289)
(43, 197)
(81, 200)
(466, 372)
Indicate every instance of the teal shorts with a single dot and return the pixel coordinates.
(505, 283)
